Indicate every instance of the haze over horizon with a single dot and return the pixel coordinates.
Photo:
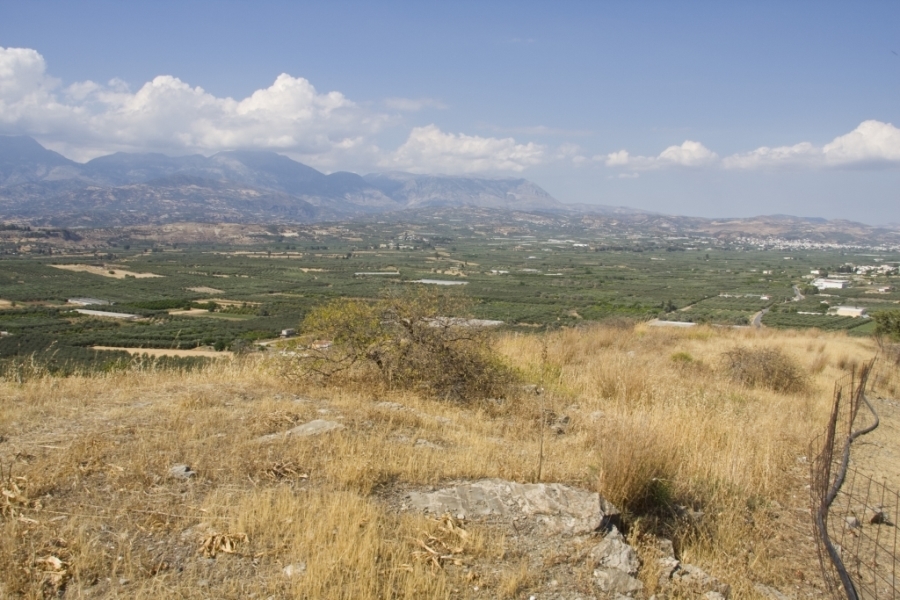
(696, 109)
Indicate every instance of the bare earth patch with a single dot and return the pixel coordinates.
(168, 352)
(205, 290)
(114, 272)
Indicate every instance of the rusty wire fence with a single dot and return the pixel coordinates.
(855, 515)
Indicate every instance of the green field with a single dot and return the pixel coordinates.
(525, 275)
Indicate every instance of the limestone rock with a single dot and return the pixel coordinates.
(182, 472)
(614, 553)
(614, 581)
(294, 569)
(770, 592)
(695, 578)
(316, 427)
(554, 507)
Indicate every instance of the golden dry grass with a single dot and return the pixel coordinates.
(99, 516)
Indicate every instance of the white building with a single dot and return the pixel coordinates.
(848, 311)
(830, 284)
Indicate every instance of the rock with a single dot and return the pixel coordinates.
(614, 553)
(554, 507)
(182, 472)
(316, 427)
(713, 596)
(852, 522)
(665, 547)
(390, 405)
(770, 592)
(879, 516)
(699, 580)
(667, 567)
(422, 443)
(614, 581)
(294, 569)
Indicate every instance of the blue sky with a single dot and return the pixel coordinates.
(700, 108)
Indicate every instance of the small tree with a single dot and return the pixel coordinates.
(412, 340)
(887, 324)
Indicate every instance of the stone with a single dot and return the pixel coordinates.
(294, 569)
(182, 472)
(555, 508)
(390, 405)
(665, 547)
(423, 443)
(696, 578)
(770, 592)
(667, 568)
(316, 427)
(614, 553)
(852, 522)
(879, 516)
(713, 596)
(614, 581)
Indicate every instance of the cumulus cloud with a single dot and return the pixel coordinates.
(87, 119)
(170, 115)
(688, 154)
(428, 149)
(871, 144)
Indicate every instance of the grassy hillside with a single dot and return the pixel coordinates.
(650, 418)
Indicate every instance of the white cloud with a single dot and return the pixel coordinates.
(871, 144)
(798, 154)
(168, 114)
(428, 149)
(688, 154)
(87, 119)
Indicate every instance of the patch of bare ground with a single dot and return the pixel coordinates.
(169, 351)
(94, 508)
(106, 271)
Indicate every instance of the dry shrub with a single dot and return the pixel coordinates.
(638, 467)
(414, 340)
(764, 367)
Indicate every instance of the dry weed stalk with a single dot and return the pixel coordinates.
(449, 545)
(225, 543)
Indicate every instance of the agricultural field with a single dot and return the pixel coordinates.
(182, 292)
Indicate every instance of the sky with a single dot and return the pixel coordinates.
(715, 109)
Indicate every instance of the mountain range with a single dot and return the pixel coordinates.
(46, 188)
(43, 188)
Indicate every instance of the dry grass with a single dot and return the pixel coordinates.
(98, 515)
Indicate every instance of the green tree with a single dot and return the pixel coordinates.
(887, 323)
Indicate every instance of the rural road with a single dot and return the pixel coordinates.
(757, 318)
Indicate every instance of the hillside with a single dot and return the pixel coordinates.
(647, 418)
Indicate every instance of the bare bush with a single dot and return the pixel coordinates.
(764, 367)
